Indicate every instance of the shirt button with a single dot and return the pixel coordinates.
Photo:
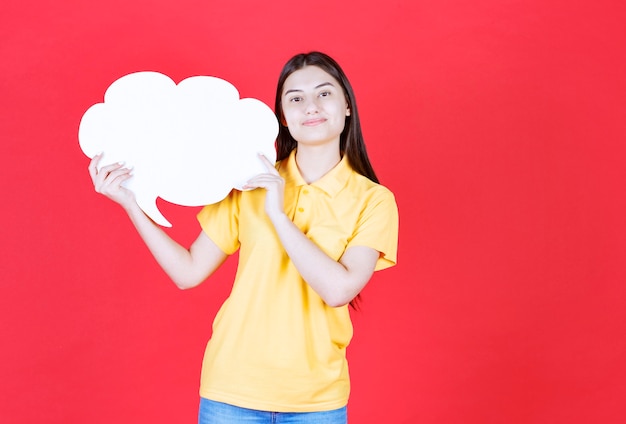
(305, 191)
(300, 209)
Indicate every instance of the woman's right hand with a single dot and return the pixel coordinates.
(108, 181)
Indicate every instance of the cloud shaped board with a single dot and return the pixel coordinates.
(189, 144)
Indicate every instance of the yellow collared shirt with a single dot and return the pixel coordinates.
(276, 346)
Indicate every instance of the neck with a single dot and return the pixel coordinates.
(315, 162)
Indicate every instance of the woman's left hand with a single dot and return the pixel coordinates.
(274, 184)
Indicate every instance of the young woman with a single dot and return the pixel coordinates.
(310, 233)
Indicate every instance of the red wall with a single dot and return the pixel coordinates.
(500, 126)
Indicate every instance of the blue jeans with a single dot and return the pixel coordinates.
(212, 412)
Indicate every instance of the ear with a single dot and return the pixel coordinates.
(348, 112)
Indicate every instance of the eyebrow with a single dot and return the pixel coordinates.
(316, 87)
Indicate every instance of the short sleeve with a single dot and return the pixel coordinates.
(378, 227)
(220, 221)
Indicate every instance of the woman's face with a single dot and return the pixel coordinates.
(314, 106)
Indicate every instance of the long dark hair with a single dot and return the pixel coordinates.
(351, 143)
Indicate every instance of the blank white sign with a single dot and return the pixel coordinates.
(189, 144)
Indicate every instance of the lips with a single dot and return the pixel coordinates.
(313, 122)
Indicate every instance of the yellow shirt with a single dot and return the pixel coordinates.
(276, 346)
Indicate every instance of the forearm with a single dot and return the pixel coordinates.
(186, 267)
(177, 261)
(336, 283)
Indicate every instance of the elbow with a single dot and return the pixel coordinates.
(189, 280)
(342, 294)
(182, 286)
(186, 284)
(336, 304)
(338, 300)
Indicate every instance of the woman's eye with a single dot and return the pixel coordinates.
(325, 94)
(295, 99)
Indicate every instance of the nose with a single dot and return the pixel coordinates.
(311, 107)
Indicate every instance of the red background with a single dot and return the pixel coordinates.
(498, 124)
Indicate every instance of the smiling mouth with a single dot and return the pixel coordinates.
(313, 122)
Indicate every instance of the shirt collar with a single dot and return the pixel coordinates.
(331, 183)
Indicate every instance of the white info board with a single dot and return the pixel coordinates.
(189, 144)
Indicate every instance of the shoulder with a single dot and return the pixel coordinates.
(370, 190)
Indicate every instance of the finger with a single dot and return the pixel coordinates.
(104, 171)
(117, 181)
(266, 176)
(266, 184)
(264, 180)
(117, 173)
(254, 184)
(269, 165)
(104, 179)
(113, 181)
(93, 165)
